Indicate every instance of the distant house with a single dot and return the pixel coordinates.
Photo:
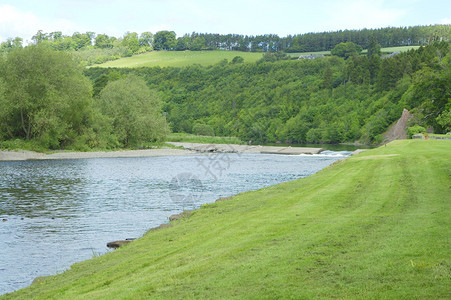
(310, 56)
(391, 55)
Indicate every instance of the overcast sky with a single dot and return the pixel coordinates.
(115, 17)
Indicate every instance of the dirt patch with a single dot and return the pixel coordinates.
(223, 199)
(162, 226)
(183, 214)
(398, 130)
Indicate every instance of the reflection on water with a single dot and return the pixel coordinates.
(61, 212)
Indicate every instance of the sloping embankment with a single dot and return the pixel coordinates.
(373, 226)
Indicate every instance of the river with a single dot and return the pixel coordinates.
(56, 213)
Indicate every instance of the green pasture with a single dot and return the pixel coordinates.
(179, 59)
(205, 58)
(375, 226)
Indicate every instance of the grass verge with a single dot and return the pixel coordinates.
(373, 226)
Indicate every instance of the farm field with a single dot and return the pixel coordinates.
(373, 226)
(179, 59)
(205, 58)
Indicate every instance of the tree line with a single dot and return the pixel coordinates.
(94, 48)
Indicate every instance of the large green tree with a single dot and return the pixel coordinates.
(164, 40)
(346, 50)
(134, 110)
(46, 96)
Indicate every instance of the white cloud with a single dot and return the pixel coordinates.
(15, 22)
(445, 21)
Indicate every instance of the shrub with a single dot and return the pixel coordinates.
(203, 129)
(415, 130)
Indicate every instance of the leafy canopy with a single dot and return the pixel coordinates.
(45, 96)
(134, 111)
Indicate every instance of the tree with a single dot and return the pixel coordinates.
(164, 40)
(146, 39)
(346, 50)
(46, 96)
(39, 37)
(103, 41)
(181, 44)
(131, 42)
(11, 44)
(134, 110)
(373, 47)
(197, 44)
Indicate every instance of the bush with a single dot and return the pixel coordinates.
(202, 129)
(411, 131)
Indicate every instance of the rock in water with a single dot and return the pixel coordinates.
(117, 244)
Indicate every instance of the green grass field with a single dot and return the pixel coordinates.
(205, 58)
(375, 226)
(179, 59)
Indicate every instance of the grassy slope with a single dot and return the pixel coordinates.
(206, 58)
(179, 59)
(374, 226)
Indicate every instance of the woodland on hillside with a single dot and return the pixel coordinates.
(48, 99)
(325, 100)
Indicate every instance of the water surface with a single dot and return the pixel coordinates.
(64, 211)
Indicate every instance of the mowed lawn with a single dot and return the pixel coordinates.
(374, 226)
(179, 59)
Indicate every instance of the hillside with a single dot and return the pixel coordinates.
(179, 59)
(373, 226)
(206, 58)
(325, 100)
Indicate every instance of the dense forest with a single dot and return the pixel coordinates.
(325, 100)
(47, 98)
(91, 48)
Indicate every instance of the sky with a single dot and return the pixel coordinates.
(248, 17)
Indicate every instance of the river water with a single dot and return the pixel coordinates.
(56, 213)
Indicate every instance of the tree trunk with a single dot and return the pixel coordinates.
(25, 129)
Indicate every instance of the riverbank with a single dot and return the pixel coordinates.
(234, 148)
(6, 155)
(188, 149)
(373, 226)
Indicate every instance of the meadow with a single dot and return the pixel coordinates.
(373, 226)
(205, 58)
(179, 59)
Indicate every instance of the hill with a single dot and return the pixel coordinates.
(205, 58)
(373, 226)
(179, 59)
(324, 100)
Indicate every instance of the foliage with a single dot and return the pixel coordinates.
(132, 43)
(46, 97)
(134, 111)
(326, 100)
(164, 40)
(203, 129)
(375, 226)
(444, 120)
(411, 131)
(346, 50)
(191, 138)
